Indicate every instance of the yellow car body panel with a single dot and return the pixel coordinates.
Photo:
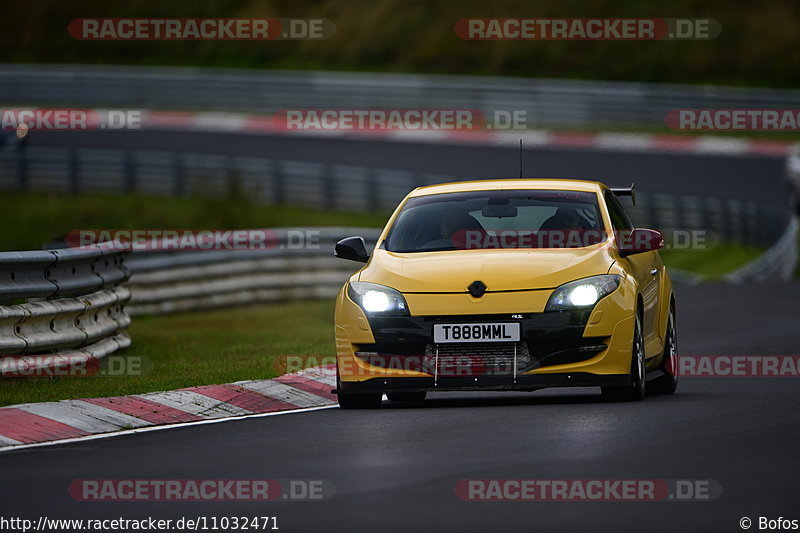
(503, 269)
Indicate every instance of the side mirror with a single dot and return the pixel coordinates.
(352, 248)
(638, 241)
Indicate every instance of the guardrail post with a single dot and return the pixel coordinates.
(129, 171)
(21, 163)
(278, 176)
(749, 224)
(373, 193)
(73, 169)
(724, 229)
(734, 220)
(232, 184)
(679, 212)
(178, 187)
(764, 225)
(704, 214)
(640, 213)
(655, 212)
(328, 200)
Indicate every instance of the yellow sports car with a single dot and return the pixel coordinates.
(506, 284)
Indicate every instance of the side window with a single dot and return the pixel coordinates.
(619, 219)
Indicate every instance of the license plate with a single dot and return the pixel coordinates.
(483, 332)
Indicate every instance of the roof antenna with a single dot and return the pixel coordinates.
(520, 158)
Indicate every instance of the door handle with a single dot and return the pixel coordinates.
(654, 271)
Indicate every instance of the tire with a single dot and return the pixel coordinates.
(636, 390)
(668, 382)
(368, 400)
(407, 397)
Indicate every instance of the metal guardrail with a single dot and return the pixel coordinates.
(72, 308)
(336, 186)
(778, 262)
(59, 273)
(165, 282)
(547, 101)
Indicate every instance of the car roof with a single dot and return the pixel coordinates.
(510, 184)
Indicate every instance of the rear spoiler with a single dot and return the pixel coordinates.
(625, 191)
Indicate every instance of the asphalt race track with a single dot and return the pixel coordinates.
(395, 469)
(758, 178)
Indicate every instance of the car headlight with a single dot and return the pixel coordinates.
(582, 293)
(377, 299)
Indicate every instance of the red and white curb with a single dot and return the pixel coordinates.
(215, 121)
(32, 423)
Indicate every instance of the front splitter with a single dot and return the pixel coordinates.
(482, 383)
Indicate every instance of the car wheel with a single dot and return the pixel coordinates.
(668, 382)
(406, 397)
(636, 390)
(368, 400)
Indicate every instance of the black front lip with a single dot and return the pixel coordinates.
(526, 382)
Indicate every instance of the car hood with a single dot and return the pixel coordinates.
(500, 270)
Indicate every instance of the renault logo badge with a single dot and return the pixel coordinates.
(477, 288)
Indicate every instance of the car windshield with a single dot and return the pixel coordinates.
(497, 219)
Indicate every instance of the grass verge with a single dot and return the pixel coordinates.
(714, 262)
(203, 348)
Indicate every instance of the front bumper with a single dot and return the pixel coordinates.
(546, 339)
(556, 349)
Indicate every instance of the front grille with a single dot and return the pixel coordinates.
(466, 359)
(474, 359)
